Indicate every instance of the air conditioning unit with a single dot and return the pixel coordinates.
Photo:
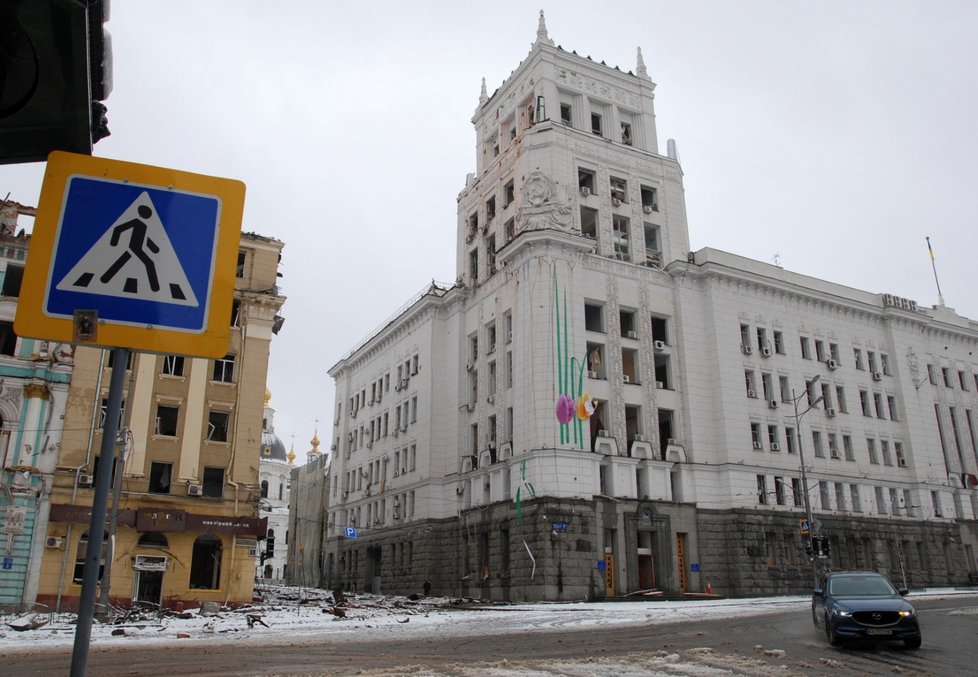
(631, 334)
(86, 480)
(775, 446)
(639, 438)
(672, 442)
(459, 489)
(830, 412)
(195, 490)
(405, 425)
(831, 364)
(902, 462)
(757, 445)
(332, 447)
(470, 366)
(491, 399)
(765, 351)
(877, 376)
(492, 349)
(659, 346)
(370, 444)
(53, 542)
(603, 433)
(647, 209)
(585, 191)
(626, 378)
(509, 337)
(616, 202)
(660, 385)
(746, 349)
(751, 393)
(395, 433)
(833, 452)
(592, 374)
(345, 494)
(773, 404)
(366, 490)
(470, 406)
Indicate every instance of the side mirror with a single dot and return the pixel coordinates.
(903, 592)
(818, 592)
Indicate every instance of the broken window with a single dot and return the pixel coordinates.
(81, 554)
(619, 190)
(650, 200)
(474, 266)
(172, 365)
(235, 312)
(596, 123)
(213, 482)
(565, 113)
(490, 209)
(653, 250)
(619, 225)
(205, 565)
(626, 133)
(491, 253)
(239, 270)
(104, 408)
(166, 420)
(510, 194)
(224, 369)
(594, 317)
(589, 223)
(217, 426)
(585, 181)
(159, 477)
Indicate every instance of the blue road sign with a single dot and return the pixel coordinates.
(694, 567)
(138, 254)
(351, 532)
(8, 562)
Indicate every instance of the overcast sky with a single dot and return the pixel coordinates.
(834, 135)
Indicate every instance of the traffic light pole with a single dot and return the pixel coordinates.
(804, 479)
(103, 478)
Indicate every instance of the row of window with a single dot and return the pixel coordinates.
(161, 477)
(963, 378)
(222, 371)
(376, 513)
(380, 386)
(379, 427)
(822, 351)
(375, 472)
(830, 441)
(841, 497)
(205, 562)
(831, 397)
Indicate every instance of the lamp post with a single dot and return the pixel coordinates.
(804, 475)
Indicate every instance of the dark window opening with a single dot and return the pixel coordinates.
(224, 369)
(172, 365)
(589, 222)
(585, 181)
(159, 477)
(166, 420)
(596, 124)
(213, 483)
(264, 488)
(153, 540)
(217, 426)
(650, 200)
(239, 271)
(12, 280)
(235, 312)
(8, 339)
(565, 113)
(205, 566)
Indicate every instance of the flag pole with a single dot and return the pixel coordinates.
(940, 297)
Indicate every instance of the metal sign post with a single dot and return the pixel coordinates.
(103, 479)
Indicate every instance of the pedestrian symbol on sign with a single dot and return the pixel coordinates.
(133, 259)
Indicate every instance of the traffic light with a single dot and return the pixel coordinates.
(819, 547)
(55, 70)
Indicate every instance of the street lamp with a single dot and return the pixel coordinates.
(804, 475)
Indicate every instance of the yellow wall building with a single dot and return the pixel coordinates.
(187, 522)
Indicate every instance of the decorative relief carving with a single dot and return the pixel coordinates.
(576, 80)
(545, 205)
(38, 390)
(913, 365)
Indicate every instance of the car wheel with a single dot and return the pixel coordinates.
(830, 635)
(912, 643)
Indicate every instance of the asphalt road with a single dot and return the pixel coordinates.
(776, 644)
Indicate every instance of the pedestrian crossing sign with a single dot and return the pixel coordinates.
(151, 252)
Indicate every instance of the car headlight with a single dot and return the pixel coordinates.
(840, 612)
(904, 614)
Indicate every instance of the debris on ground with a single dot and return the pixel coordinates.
(28, 622)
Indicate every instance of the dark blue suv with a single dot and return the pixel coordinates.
(864, 605)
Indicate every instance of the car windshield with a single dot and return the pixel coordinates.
(861, 586)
